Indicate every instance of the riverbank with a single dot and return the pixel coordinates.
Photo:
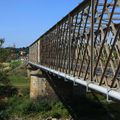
(18, 106)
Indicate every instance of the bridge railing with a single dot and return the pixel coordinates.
(84, 44)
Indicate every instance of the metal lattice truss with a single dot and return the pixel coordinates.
(84, 44)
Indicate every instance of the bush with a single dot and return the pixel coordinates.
(56, 115)
(7, 91)
(57, 111)
(4, 78)
(35, 107)
(25, 106)
(44, 107)
(3, 115)
(4, 54)
(15, 64)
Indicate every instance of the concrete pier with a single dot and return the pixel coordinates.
(37, 86)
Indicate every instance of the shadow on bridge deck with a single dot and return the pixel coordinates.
(82, 107)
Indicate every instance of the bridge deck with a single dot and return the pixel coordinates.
(84, 45)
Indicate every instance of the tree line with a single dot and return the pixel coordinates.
(9, 53)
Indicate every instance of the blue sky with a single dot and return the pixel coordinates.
(23, 21)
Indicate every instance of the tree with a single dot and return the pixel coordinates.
(1, 42)
(4, 53)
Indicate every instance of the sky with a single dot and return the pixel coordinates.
(23, 21)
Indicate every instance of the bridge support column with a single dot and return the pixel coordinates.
(37, 85)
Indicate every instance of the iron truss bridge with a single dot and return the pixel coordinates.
(84, 47)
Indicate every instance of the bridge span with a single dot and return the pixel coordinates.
(84, 47)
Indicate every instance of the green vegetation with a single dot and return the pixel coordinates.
(11, 53)
(14, 91)
(19, 81)
(20, 104)
(18, 75)
(3, 78)
(42, 107)
(5, 54)
(17, 103)
(15, 63)
(1, 42)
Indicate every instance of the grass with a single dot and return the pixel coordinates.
(18, 75)
(15, 63)
(19, 81)
(20, 104)
(42, 108)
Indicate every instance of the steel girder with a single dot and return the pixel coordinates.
(84, 44)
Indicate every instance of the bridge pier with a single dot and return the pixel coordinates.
(39, 85)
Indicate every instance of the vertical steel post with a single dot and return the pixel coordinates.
(39, 51)
(92, 39)
(69, 49)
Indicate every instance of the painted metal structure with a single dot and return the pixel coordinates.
(84, 45)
